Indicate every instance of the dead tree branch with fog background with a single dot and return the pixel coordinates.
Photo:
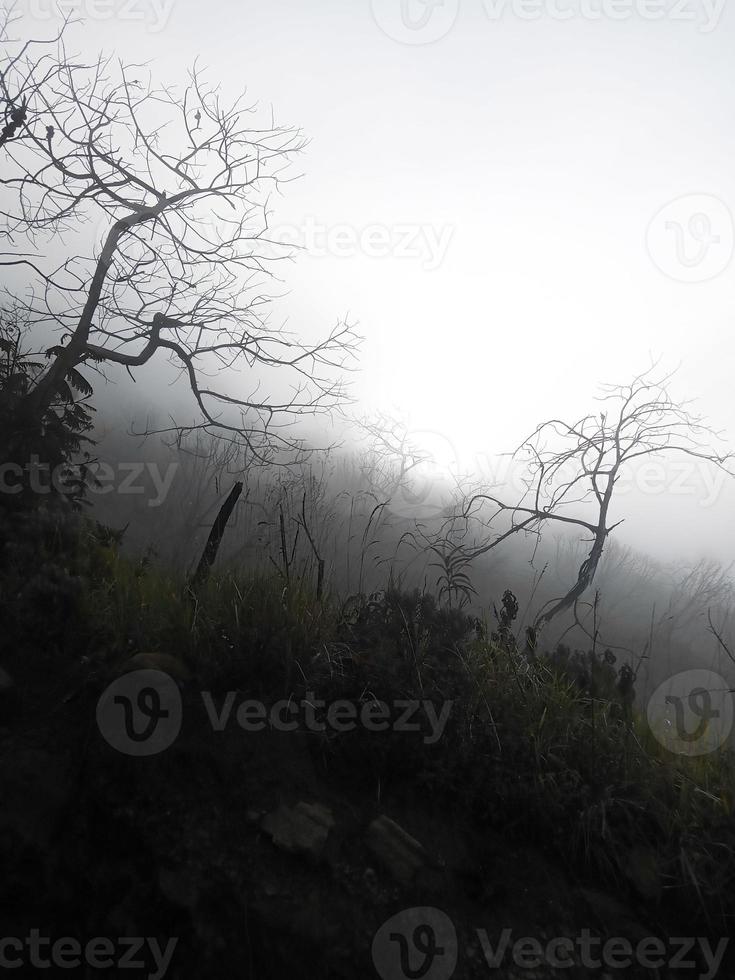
(248, 545)
(572, 469)
(139, 213)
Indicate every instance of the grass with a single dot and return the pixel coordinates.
(528, 749)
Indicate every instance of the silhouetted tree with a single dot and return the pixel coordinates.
(572, 469)
(181, 261)
(45, 449)
(26, 66)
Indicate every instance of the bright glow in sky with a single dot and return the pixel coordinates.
(491, 207)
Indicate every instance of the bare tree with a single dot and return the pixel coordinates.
(26, 67)
(177, 183)
(572, 469)
(392, 454)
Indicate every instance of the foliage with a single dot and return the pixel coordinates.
(539, 748)
(39, 453)
(595, 674)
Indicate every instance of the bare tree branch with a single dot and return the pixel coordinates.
(576, 467)
(183, 262)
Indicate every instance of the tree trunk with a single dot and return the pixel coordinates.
(584, 579)
(215, 538)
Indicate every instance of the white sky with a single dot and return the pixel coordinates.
(538, 151)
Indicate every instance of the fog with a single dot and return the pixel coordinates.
(513, 203)
(481, 203)
(403, 382)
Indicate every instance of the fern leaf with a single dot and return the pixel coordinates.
(78, 382)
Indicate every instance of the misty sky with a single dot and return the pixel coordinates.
(515, 164)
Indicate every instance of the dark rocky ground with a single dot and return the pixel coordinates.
(262, 859)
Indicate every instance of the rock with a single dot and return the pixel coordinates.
(401, 855)
(301, 830)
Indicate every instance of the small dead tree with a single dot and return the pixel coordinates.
(573, 468)
(392, 454)
(177, 184)
(215, 539)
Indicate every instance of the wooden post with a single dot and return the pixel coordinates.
(215, 538)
